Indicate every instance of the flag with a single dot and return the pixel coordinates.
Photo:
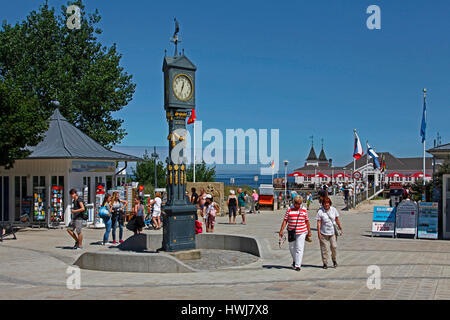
(374, 156)
(273, 164)
(192, 118)
(383, 164)
(358, 150)
(423, 127)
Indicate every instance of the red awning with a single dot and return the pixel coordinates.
(419, 175)
(322, 175)
(395, 175)
(342, 175)
(297, 174)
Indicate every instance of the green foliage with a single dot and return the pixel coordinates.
(245, 188)
(202, 173)
(45, 60)
(145, 173)
(20, 123)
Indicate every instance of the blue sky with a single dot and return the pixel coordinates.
(304, 67)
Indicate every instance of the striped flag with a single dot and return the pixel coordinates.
(358, 150)
(374, 156)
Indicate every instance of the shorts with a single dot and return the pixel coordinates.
(242, 210)
(232, 211)
(76, 225)
(156, 214)
(211, 221)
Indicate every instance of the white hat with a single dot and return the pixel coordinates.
(208, 196)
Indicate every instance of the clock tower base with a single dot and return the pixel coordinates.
(179, 227)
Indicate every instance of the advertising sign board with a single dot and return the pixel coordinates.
(383, 222)
(406, 218)
(427, 225)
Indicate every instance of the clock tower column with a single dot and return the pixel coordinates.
(179, 99)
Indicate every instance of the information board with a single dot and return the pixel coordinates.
(383, 222)
(427, 225)
(130, 198)
(406, 217)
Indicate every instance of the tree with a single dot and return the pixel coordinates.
(20, 124)
(145, 172)
(202, 173)
(45, 59)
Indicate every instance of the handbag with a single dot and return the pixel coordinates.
(292, 233)
(337, 231)
(103, 213)
(131, 225)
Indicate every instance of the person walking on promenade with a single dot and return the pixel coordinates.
(211, 209)
(293, 195)
(201, 202)
(194, 196)
(326, 217)
(139, 212)
(255, 198)
(232, 206)
(296, 218)
(118, 216)
(76, 225)
(309, 200)
(156, 215)
(241, 204)
(107, 220)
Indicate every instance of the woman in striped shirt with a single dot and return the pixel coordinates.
(297, 218)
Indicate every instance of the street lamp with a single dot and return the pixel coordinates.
(155, 156)
(285, 181)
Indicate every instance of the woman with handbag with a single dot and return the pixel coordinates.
(105, 214)
(139, 216)
(118, 217)
(296, 219)
(328, 228)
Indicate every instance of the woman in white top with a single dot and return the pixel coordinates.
(156, 215)
(325, 230)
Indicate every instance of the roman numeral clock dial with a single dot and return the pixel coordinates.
(183, 87)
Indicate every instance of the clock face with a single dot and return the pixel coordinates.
(182, 87)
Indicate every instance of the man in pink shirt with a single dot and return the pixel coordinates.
(255, 198)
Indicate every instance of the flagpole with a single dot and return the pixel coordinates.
(367, 170)
(354, 183)
(194, 151)
(424, 142)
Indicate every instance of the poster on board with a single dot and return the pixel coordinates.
(427, 225)
(383, 222)
(406, 218)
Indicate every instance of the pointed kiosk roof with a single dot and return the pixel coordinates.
(322, 156)
(64, 141)
(312, 154)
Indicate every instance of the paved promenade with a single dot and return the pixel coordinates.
(34, 267)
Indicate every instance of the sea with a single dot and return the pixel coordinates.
(248, 179)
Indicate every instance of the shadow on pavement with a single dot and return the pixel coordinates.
(65, 248)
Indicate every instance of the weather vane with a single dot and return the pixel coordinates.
(175, 39)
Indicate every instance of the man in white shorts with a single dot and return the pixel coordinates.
(156, 215)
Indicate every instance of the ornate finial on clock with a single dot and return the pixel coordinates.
(175, 39)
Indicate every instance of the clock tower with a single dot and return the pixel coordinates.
(179, 100)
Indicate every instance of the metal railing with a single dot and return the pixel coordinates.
(362, 196)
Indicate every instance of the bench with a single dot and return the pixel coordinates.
(8, 230)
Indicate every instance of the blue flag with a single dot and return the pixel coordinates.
(374, 156)
(423, 128)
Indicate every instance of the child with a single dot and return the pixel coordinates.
(211, 211)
